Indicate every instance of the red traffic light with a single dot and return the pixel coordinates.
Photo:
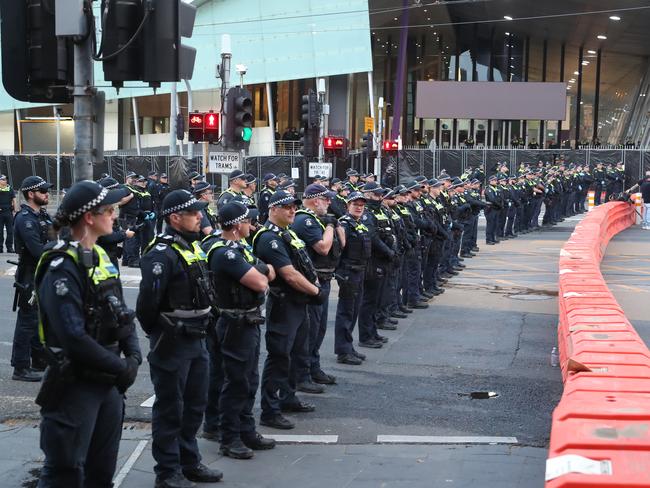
(211, 121)
(334, 143)
(391, 146)
(195, 120)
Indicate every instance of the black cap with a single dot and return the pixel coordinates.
(334, 181)
(269, 176)
(86, 195)
(421, 179)
(373, 187)
(141, 178)
(413, 185)
(282, 197)
(33, 183)
(287, 184)
(234, 212)
(131, 174)
(202, 186)
(435, 183)
(316, 190)
(250, 179)
(236, 173)
(281, 175)
(163, 175)
(390, 194)
(352, 172)
(179, 200)
(152, 173)
(356, 195)
(110, 183)
(443, 177)
(401, 190)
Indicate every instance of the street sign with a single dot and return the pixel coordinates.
(322, 169)
(369, 124)
(223, 162)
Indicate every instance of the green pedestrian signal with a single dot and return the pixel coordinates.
(246, 134)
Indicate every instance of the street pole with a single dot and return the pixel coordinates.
(321, 115)
(190, 108)
(379, 137)
(224, 73)
(172, 121)
(136, 123)
(57, 114)
(83, 93)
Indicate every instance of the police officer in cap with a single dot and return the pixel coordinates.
(203, 192)
(240, 281)
(287, 322)
(174, 309)
(163, 190)
(93, 350)
(324, 239)
(270, 184)
(32, 230)
(7, 210)
(237, 182)
(111, 242)
(350, 277)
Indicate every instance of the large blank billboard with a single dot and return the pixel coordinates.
(490, 100)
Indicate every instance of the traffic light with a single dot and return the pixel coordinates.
(211, 127)
(195, 126)
(310, 110)
(336, 146)
(309, 141)
(239, 114)
(164, 58)
(121, 20)
(180, 127)
(390, 146)
(368, 145)
(36, 65)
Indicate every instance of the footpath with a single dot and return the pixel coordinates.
(408, 416)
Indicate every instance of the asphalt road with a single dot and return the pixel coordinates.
(493, 330)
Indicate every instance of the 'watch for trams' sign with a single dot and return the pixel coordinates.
(223, 162)
(322, 169)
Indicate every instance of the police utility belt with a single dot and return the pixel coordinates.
(189, 323)
(252, 316)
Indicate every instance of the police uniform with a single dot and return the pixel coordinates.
(111, 242)
(495, 204)
(163, 190)
(310, 228)
(7, 196)
(32, 230)
(86, 327)
(265, 195)
(174, 309)
(287, 322)
(131, 217)
(238, 331)
(350, 278)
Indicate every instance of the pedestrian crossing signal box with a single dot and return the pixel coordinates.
(212, 125)
(390, 146)
(195, 126)
(336, 146)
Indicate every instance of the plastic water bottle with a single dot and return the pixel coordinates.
(555, 358)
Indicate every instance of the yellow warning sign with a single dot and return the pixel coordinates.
(368, 125)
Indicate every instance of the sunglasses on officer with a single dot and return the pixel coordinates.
(43, 191)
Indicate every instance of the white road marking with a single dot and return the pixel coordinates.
(5, 343)
(148, 402)
(304, 439)
(129, 464)
(434, 439)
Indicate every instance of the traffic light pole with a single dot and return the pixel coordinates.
(224, 74)
(321, 133)
(83, 93)
(379, 137)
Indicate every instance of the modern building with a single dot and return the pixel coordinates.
(366, 49)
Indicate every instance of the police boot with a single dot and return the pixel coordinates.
(236, 450)
(177, 480)
(202, 474)
(26, 374)
(277, 422)
(405, 310)
(386, 326)
(322, 378)
(257, 442)
(398, 315)
(348, 359)
(309, 386)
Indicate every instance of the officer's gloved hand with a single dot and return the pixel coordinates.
(320, 298)
(128, 376)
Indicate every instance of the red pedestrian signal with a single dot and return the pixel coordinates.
(390, 146)
(195, 127)
(334, 143)
(212, 127)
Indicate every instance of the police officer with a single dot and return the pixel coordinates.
(174, 309)
(7, 210)
(240, 281)
(494, 206)
(287, 322)
(350, 278)
(270, 182)
(146, 215)
(111, 242)
(203, 191)
(353, 179)
(32, 230)
(130, 218)
(249, 191)
(324, 240)
(339, 205)
(163, 190)
(194, 178)
(86, 327)
(237, 182)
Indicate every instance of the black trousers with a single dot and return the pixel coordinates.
(180, 381)
(317, 330)
(287, 333)
(7, 222)
(216, 379)
(347, 308)
(240, 352)
(27, 346)
(491, 217)
(81, 437)
(373, 289)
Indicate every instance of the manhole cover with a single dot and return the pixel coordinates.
(529, 296)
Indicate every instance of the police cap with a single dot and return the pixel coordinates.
(234, 212)
(282, 197)
(85, 196)
(180, 200)
(316, 190)
(34, 183)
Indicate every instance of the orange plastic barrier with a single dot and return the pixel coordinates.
(600, 436)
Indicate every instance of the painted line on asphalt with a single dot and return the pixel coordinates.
(129, 464)
(434, 439)
(303, 439)
(148, 403)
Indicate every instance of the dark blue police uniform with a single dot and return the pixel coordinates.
(7, 196)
